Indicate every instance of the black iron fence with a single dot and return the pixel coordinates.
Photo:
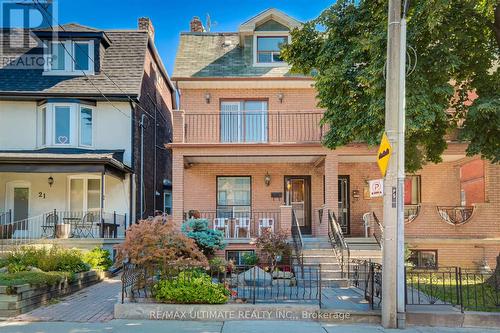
(466, 289)
(245, 284)
(367, 276)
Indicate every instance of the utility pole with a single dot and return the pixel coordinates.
(394, 128)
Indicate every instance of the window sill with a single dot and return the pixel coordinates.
(270, 64)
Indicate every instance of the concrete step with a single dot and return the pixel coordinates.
(362, 240)
(320, 259)
(323, 252)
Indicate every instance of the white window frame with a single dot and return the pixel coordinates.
(165, 192)
(69, 63)
(85, 179)
(269, 34)
(75, 139)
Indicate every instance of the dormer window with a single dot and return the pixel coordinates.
(69, 57)
(268, 48)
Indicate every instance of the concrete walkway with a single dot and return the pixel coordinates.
(92, 304)
(129, 326)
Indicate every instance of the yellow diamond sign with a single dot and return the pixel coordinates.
(384, 154)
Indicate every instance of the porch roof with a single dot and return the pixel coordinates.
(48, 161)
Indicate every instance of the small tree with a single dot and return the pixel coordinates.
(273, 245)
(208, 240)
(154, 243)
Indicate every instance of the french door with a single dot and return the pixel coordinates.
(243, 121)
(84, 194)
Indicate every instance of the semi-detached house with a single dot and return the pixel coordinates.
(247, 153)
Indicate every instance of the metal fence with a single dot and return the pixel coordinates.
(367, 276)
(455, 286)
(246, 284)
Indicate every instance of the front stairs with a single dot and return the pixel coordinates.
(318, 250)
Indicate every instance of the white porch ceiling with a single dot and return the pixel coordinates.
(251, 159)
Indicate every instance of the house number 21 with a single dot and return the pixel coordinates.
(41, 195)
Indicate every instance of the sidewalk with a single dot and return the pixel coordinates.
(133, 326)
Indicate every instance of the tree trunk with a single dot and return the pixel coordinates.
(494, 280)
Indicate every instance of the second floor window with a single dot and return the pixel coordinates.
(66, 125)
(412, 190)
(67, 57)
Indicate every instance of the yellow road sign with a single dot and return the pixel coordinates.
(384, 154)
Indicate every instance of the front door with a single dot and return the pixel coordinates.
(344, 205)
(298, 195)
(18, 202)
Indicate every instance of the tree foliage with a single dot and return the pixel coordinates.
(456, 53)
(208, 240)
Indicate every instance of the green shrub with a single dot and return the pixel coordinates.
(207, 240)
(250, 259)
(191, 287)
(16, 267)
(48, 260)
(34, 278)
(217, 265)
(98, 259)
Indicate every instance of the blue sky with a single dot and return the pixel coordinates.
(171, 17)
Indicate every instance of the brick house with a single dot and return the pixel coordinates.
(247, 151)
(76, 132)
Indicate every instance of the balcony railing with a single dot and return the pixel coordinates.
(64, 224)
(455, 215)
(240, 225)
(253, 127)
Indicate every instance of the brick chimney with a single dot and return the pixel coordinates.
(145, 23)
(195, 25)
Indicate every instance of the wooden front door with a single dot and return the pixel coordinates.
(298, 195)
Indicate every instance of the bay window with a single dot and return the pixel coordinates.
(65, 124)
(233, 196)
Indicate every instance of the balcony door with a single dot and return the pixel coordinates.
(298, 195)
(243, 121)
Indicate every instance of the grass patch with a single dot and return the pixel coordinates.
(476, 294)
(33, 278)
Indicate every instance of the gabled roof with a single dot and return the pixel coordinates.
(121, 64)
(269, 14)
(73, 27)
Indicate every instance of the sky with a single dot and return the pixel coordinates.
(170, 17)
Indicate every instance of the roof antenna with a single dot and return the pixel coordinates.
(208, 23)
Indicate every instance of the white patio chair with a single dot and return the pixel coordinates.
(242, 223)
(222, 224)
(266, 223)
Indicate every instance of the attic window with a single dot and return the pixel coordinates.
(68, 57)
(268, 49)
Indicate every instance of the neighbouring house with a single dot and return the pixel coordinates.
(82, 132)
(247, 153)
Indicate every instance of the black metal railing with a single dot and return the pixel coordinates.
(367, 276)
(462, 288)
(298, 242)
(455, 215)
(253, 127)
(320, 215)
(378, 231)
(239, 225)
(411, 212)
(339, 245)
(245, 284)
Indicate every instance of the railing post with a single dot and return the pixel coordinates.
(125, 224)
(320, 285)
(10, 215)
(254, 284)
(102, 223)
(115, 229)
(460, 298)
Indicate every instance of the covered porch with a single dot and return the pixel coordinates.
(48, 198)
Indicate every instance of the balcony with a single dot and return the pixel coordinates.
(248, 127)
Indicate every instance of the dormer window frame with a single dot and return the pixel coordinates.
(70, 46)
(268, 34)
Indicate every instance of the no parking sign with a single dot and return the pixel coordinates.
(376, 188)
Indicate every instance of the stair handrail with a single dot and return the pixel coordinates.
(339, 245)
(378, 233)
(298, 241)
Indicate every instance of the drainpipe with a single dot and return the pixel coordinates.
(141, 190)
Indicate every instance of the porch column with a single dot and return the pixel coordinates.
(331, 191)
(286, 219)
(178, 126)
(177, 187)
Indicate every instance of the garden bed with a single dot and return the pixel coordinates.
(22, 298)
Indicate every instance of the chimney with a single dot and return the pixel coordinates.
(145, 23)
(195, 25)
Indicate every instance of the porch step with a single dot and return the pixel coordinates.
(312, 243)
(362, 243)
(319, 259)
